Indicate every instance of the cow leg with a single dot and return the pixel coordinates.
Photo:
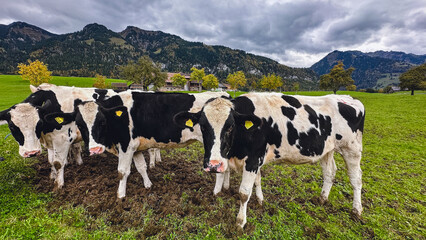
(140, 164)
(226, 180)
(246, 188)
(50, 156)
(353, 165)
(328, 171)
(222, 179)
(258, 184)
(78, 158)
(157, 155)
(219, 183)
(124, 164)
(152, 156)
(59, 162)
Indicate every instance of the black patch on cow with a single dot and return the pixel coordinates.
(292, 101)
(338, 136)
(226, 137)
(69, 132)
(312, 142)
(16, 133)
(312, 115)
(208, 138)
(82, 126)
(99, 94)
(271, 131)
(46, 102)
(277, 154)
(243, 105)
(111, 102)
(292, 134)
(289, 112)
(39, 129)
(152, 115)
(355, 122)
(109, 129)
(250, 144)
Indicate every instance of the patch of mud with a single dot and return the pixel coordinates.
(180, 188)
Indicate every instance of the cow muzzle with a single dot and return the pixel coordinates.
(215, 166)
(96, 150)
(31, 153)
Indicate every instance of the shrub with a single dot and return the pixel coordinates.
(99, 82)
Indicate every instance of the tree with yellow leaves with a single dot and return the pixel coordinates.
(237, 79)
(271, 82)
(210, 82)
(36, 72)
(99, 82)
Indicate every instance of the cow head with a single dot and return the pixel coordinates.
(219, 124)
(99, 126)
(26, 125)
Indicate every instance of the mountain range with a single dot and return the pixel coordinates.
(96, 49)
(372, 70)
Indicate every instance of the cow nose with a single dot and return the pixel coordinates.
(96, 150)
(215, 166)
(32, 153)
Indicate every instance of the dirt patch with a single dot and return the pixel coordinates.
(180, 188)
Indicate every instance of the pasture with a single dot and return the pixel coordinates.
(181, 205)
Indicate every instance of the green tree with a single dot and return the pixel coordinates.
(36, 72)
(271, 82)
(144, 72)
(414, 79)
(237, 79)
(178, 80)
(296, 86)
(197, 75)
(338, 77)
(210, 82)
(99, 82)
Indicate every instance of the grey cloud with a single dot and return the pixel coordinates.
(284, 30)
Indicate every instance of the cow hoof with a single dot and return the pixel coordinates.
(323, 200)
(216, 192)
(240, 224)
(57, 187)
(260, 201)
(148, 184)
(356, 213)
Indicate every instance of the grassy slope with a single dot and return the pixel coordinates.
(393, 190)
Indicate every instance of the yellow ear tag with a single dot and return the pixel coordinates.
(59, 119)
(189, 123)
(118, 113)
(248, 124)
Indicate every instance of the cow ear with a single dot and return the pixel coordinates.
(45, 106)
(33, 89)
(4, 116)
(247, 121)
(186, 119)
(59, 118)
(116, 112)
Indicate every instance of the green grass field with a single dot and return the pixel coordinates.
(393, 197)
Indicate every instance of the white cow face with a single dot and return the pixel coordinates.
(26, 127)
(219, 124)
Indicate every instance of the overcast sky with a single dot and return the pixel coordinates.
(296, 33)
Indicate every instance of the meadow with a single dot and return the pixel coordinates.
(393, 196)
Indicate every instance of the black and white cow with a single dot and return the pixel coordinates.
(257, 128)
(134, 121)
(27, 125)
